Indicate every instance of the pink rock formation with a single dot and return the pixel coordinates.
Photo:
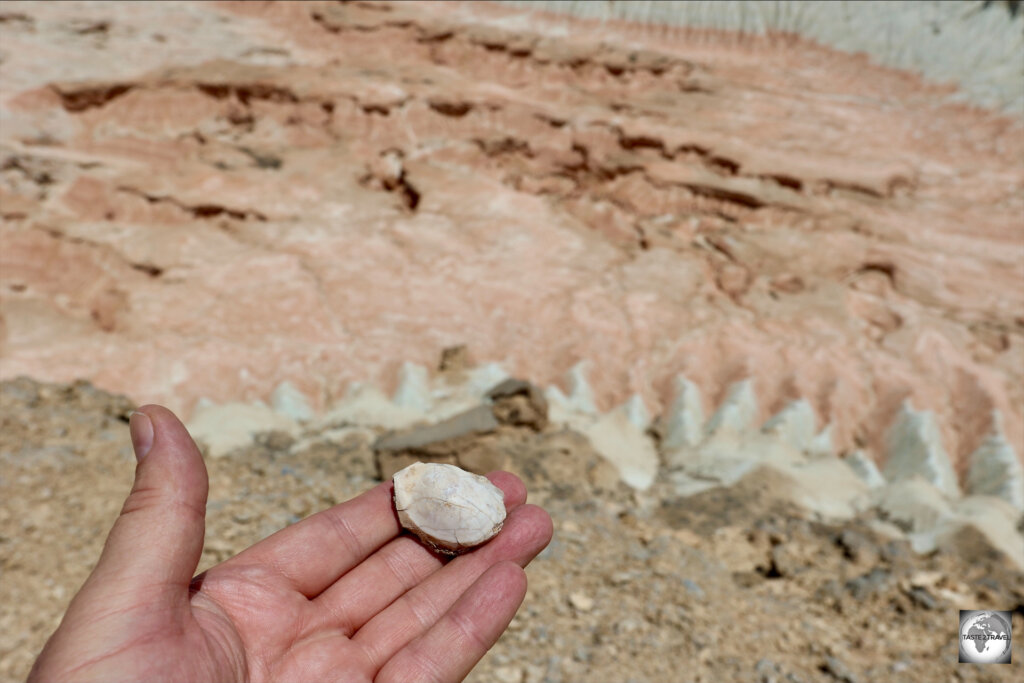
(210, 200)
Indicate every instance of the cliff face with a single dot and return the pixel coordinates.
(208, 199)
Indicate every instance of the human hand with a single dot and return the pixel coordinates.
(339, 596)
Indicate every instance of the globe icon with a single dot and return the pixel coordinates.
(985, 638)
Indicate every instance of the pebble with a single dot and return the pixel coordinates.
(922, 598)
(628, 625)
(691, 586)
(581, 654)
(864, 586)
(856, 546)
(509, 674)
(837, 668)
(619, 578)
(767, 671)
(581, 602)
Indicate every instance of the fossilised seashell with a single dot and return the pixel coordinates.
(450, 509)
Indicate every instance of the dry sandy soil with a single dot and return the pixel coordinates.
(729, 585)
(206, 199)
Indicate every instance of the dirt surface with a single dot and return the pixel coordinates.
(205, 199)
(726, 585)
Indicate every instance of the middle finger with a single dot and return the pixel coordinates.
(527, 531)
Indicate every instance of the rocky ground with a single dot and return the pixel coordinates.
(735, 583)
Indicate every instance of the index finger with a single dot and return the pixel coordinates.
(312, 554)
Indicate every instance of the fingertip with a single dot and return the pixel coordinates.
(155, 411)
(545, 523)
(537, 520)
(170, 448)
(509, 577)
(527, 531)
(511, 485)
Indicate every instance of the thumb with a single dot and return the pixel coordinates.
(156, 542)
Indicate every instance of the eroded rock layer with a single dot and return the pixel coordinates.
(313, 191)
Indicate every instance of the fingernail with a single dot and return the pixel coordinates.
(141, 429)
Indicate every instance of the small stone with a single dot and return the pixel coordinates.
(839, 670)
(767, 671)
(581, 654)
(857, 547)
(620, 578)
(691, 586)
(450, 509)
(570, 528)
(581, 602)
(872, 583)
(922, 598)
(784, 561)
(508, 674)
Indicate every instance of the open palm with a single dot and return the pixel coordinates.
(340, 596)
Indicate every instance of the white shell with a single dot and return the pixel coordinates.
(450, 509)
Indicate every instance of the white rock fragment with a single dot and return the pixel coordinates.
(686, 485)
(581, 396)
(288, 400)
(737, 412)
(581, 601)
(830, 488)
(559, 409)
(685, 423)
(577, 410)
(636, 412)
(450, 509)
(484, 377)
(865, 468)
(368, 406)
(508, 674)
(449, 398)
(991, 518)
(821, 445)
(336, 435)
(995, 469)
(413, 391)
(723, 463)
(618, 440)
(914, 504)
(794, 424)
(223, 428)
(914, 449)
